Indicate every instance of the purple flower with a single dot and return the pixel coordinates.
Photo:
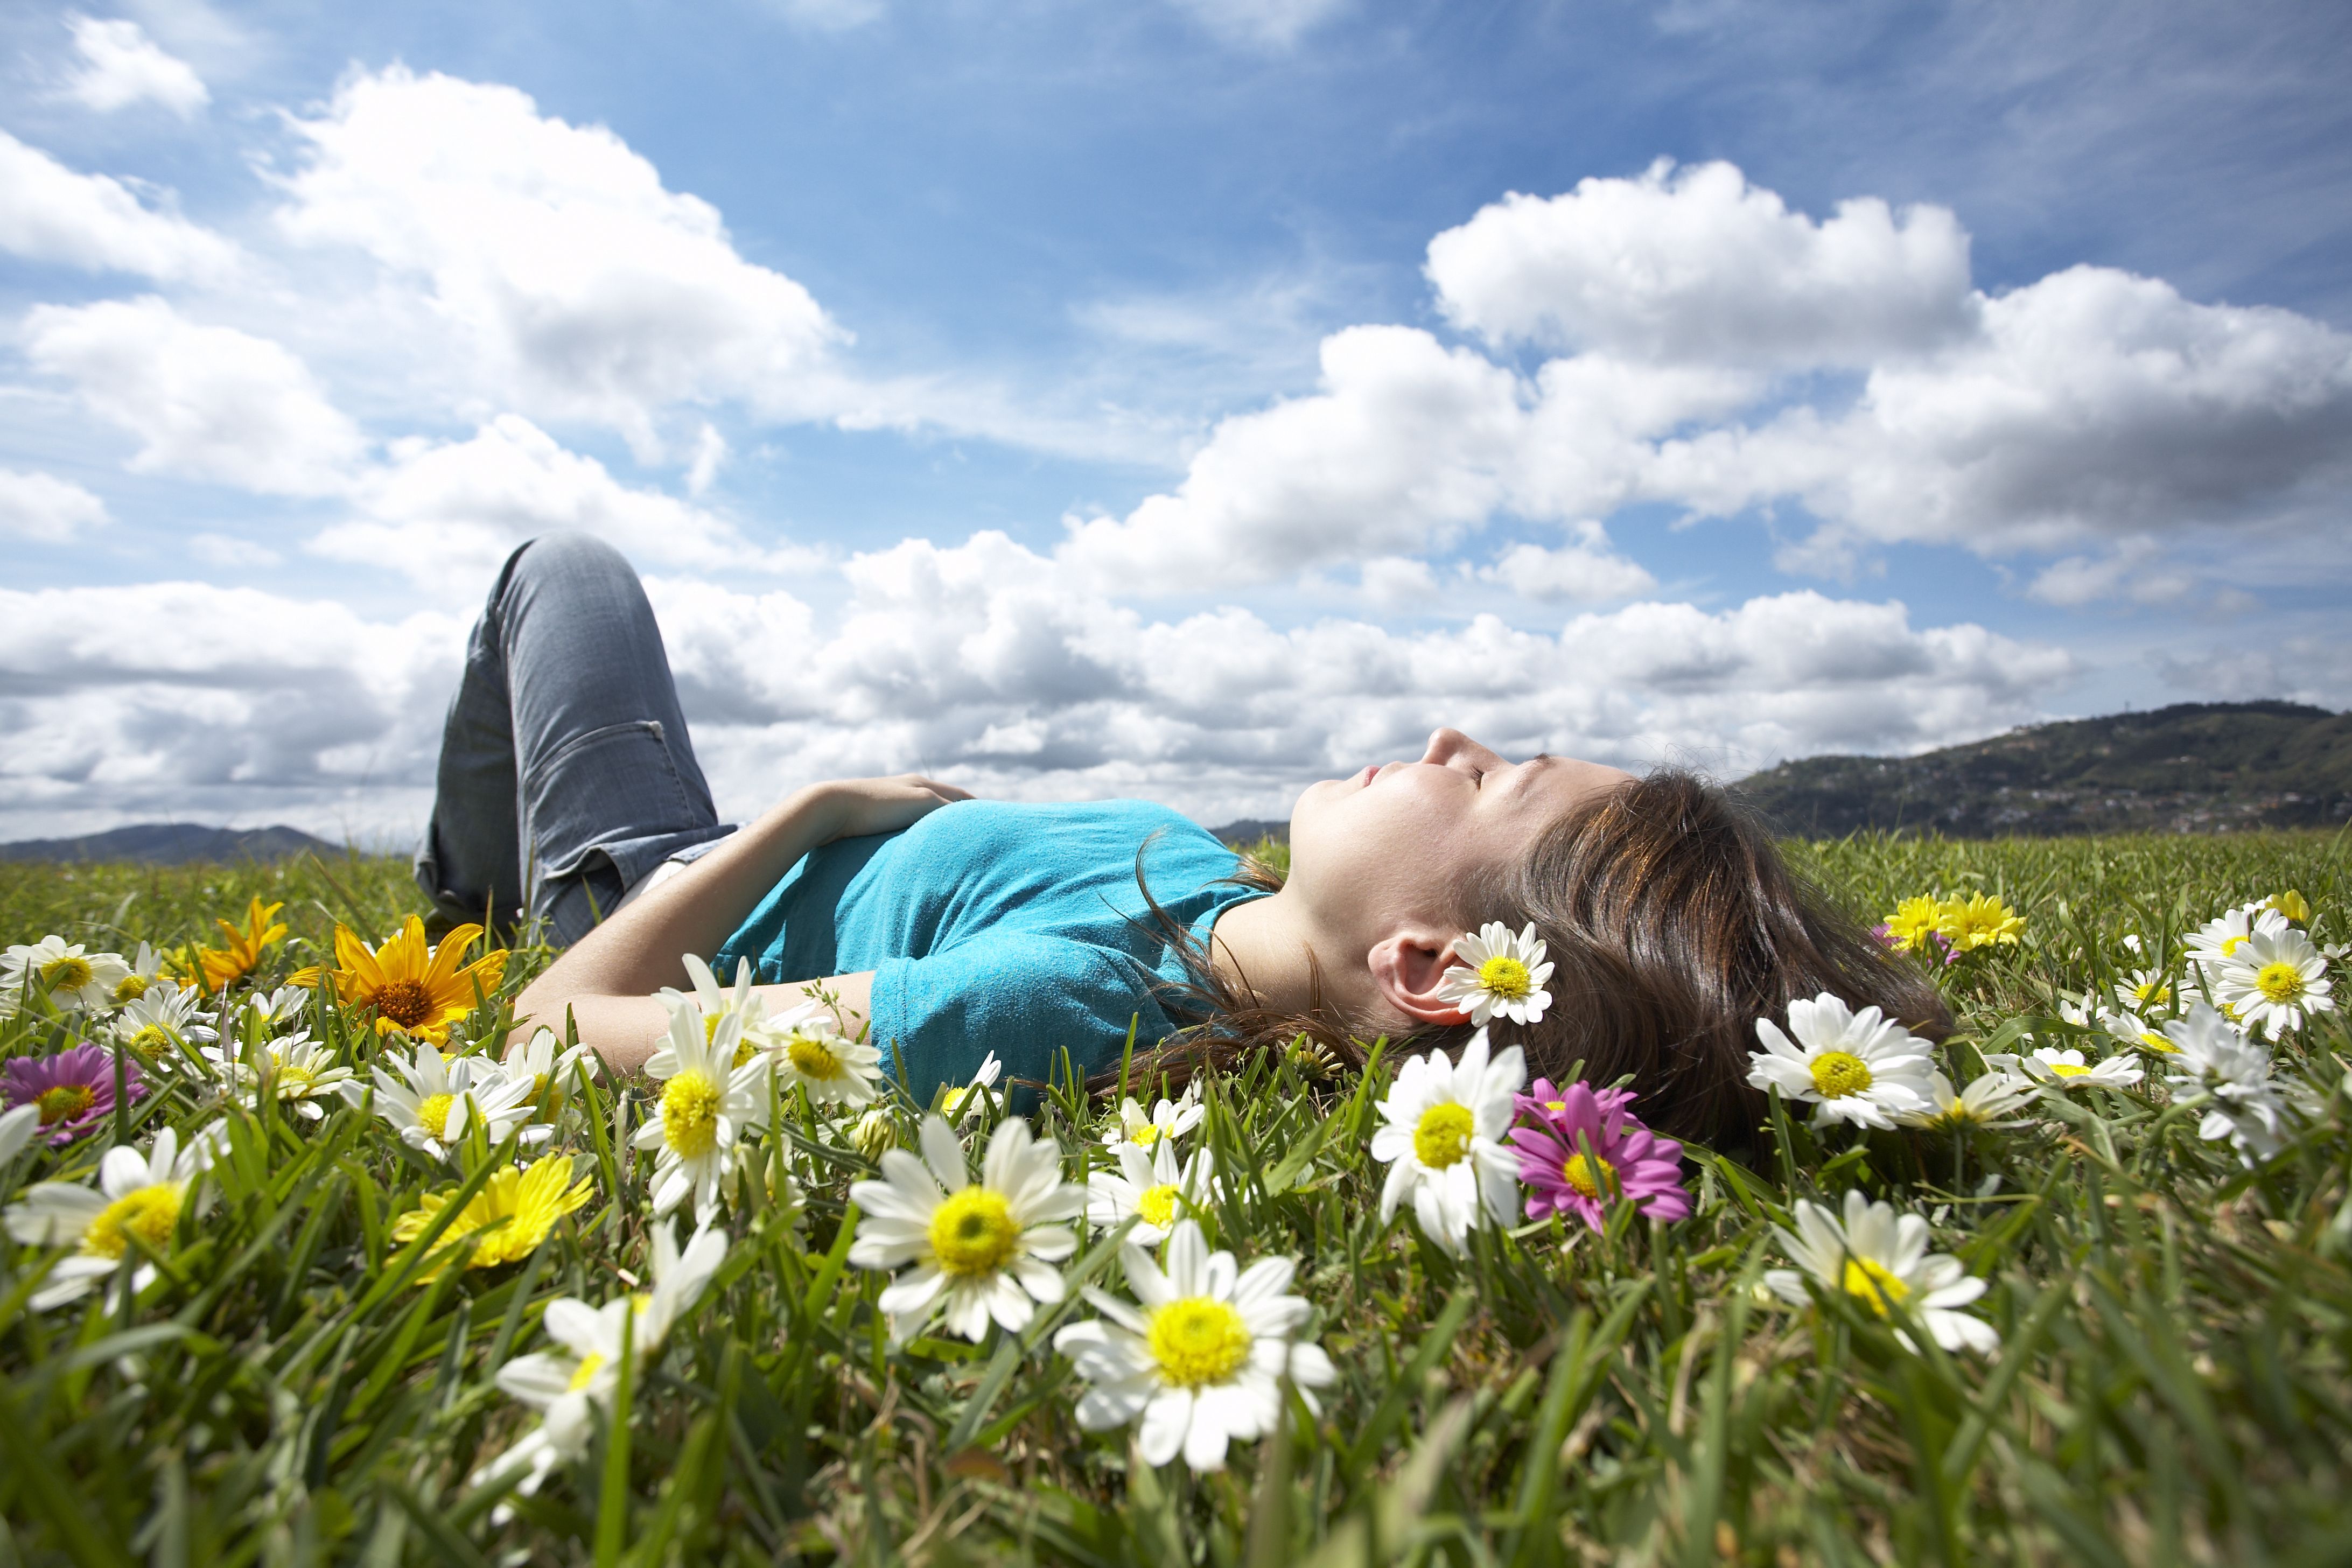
(1626, 1160)
(1883, 935)
(74, 1089)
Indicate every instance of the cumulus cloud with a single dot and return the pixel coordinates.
(979, 662)
(1722, 353)
(446, 513)
(2315, 669)
(122, 65)
(207, 402)
(48, 213)
(184, 699)
(45, 509)
(1587, 569)
(580, 286)
(1696, 264)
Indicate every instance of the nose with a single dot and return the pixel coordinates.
(1451, 748)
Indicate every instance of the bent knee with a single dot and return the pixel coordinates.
(567, 551)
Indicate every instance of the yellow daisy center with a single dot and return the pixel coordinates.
(150, 1043)
(132, 987)
(1157, 1206)
(68, 973)
(1837, 1074)
(810, 1058)
(65, 1102)
(1443, 1135)
(405, 1002)
(1504, 975)
(295, 1079)
(1555, 1105)
(2153, 991)
(149, 1213)
(433, 1114)
(586, 1372)
(2156, 1042)
(2230, 944)
(1589, 1177)
(710, 1026)
(1198, 1341)
(972, 1232)
(1875, 1283)
(1144, 1135)
(2066, 1069)
(690, 1113)
(2279, 981)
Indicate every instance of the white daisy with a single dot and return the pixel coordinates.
(2128, 1029)
(1198, 1359)
(706, 1104)
(874, 1133)
(2152, 991)
(2066, 1069)
(2232, 1076)
(967, 1103)
(809, 1049)
(1151, 1189)
(275, 1006)
(1443, 1140)
(433, 1100)
(980, 1250)
(70, 975)
(1170, 1119)
(1499, 973)
(146, 968)
(2222, 936)
(1886, 1262)
(301, 1071)
(134, 1195)
(1989, 1098)
(1856, 1067)
(550, 1069)
(2274, 981)
(18, 1125)
(155, 1025)
(710, 1004)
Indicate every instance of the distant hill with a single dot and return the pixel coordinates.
(1250, 829)
(172, 844)
(2195, 767)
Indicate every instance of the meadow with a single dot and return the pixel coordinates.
(309, 1352)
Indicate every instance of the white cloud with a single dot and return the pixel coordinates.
(2315, 669)
(1696, 264)
(446, 513)
(829, 16)
(1587, 569)
(45, 509)
(709, 452)
(576, 284)
(1271, 26)
(208, 401)
(48, 213)
(231, 553)
(122, 65)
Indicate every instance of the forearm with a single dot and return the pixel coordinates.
(642, 948)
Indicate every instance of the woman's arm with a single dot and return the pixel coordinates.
(607, 979)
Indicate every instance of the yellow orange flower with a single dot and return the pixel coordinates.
(1979, 920)
(217, 968)
(411, 987)
(511, 1214)
(1913, 923)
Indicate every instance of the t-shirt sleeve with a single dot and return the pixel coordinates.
(1025, 996)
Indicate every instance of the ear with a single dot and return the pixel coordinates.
(1408, 967)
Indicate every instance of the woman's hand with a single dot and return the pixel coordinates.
(852, 808)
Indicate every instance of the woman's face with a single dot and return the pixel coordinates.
(1399, 840)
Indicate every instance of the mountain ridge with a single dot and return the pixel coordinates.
(171, 844)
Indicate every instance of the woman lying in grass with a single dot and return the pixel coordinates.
(957, 928)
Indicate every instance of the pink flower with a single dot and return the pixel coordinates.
(74, 1089)
(1625, 1159)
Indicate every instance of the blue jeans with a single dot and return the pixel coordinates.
(566, 774)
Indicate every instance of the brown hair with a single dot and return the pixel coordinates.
(1673, 924)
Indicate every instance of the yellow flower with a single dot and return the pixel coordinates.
(1979, 920)
(1913, 923)
(217, 968)
(417, 990)
(512, 1215)
(2293, 905)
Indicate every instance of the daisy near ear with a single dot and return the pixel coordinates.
(1501, 974)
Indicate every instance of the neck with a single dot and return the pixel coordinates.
(1263, 949)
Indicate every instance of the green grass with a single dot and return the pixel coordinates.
(2172, 1385)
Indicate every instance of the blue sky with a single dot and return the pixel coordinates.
(295, 342)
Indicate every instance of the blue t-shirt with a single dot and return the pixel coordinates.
(992, 926)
